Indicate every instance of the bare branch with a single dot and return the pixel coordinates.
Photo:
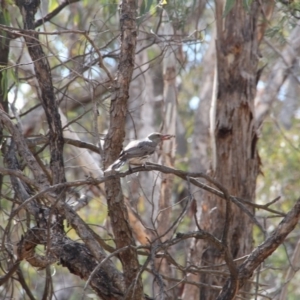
(264, 250)
(10, 273)
(43, 74)
(54, 12)
(278, 75)
(77, 143)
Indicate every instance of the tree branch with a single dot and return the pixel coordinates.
(54, 12)
(43, 74)
(264, 250)
(113, 144)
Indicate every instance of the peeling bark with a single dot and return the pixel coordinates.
(117, 209)
(50, 228)
(264, 250)
(72, 255)
(82, 258)
(235, 132)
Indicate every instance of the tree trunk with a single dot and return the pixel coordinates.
(237, 161)
(169, 127)
(199, 158)
(47, 96)
(167, 158)
(291, 98)
(113, 144)
(140, 123)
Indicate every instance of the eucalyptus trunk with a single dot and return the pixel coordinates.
(236, 159)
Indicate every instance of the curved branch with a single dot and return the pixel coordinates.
(75, 256)
(77, 143)
(264, 250)
(10, 273)
(54, 12)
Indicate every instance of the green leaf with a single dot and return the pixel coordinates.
(145, 7)
(247, 4)
(228, 7)
(52, 5)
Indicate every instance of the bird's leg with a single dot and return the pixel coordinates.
(146, 163)
(130, 169)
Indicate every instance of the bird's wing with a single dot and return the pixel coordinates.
(138, 148)
(132, 144)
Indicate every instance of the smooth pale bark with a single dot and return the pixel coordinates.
(199, 153)
(279, 72)
(164, 214)
(291, 98)
(199, 159)
(169, 125)
(291, 90)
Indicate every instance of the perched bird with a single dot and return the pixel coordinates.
(137, 151)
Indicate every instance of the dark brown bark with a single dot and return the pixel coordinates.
(4, 52)
(72, 255)
(237, 162)
(225, 218)
(43, 74)
(49, 220)
(117, 209)
(94, 253)
(264, 250)
(80, 261)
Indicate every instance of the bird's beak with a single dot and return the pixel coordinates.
(165, 137)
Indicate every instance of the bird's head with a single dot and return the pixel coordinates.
(157, 137)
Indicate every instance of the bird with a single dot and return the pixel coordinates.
(137, 151)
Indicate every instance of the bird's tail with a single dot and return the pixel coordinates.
(116, 165)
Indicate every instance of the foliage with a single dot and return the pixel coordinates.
(82, 45)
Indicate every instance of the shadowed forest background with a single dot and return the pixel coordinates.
(214, 213)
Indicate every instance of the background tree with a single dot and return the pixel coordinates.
(81, 78)
(235, 160)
